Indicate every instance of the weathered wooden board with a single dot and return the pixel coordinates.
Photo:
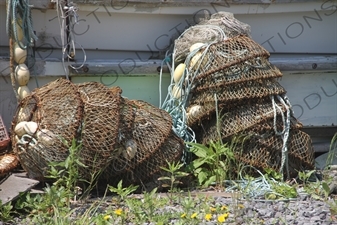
(136, 30)
(15, 184)
(43, 4)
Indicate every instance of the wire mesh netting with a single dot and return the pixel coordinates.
(115, 135)
(229, 89)
(55, 110)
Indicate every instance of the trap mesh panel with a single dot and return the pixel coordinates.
(236, 118)
(219, 26)
(263, 149)
(259, 146)
(57, 110)
(239, 92)
(227, 53)
(169, 151)
(144, 130)
(100, 125)
(249, 70)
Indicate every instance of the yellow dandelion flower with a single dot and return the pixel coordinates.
(212, 209)
(183, 215)
(208, 217)
(194, 215)
(107, 217)
(222, 218)
(118, 212)
(224, 208)
(241, 206)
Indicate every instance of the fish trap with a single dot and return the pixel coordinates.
(114, 135)
(229, 89)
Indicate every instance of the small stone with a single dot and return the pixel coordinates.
(278, 214)
(315, 219)
(322, 216)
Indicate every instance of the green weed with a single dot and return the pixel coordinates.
(213, 163)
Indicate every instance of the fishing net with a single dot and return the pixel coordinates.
(116, 135)
(144, 129)
(229, 89)
(263, 149)
(57, 110)
(168, 151)
(220, 26)
(100, 127)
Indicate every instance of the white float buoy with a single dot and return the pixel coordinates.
(19, 129)
(22, 74)
(45, 136)
(31, 127)
(23, 92)
(20, 54)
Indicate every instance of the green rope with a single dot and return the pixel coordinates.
(20, 10)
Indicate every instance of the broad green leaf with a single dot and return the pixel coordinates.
(326, 188)
(201, 153)
(120, 184)
(197, 163)
(202, 176)
(210, 180)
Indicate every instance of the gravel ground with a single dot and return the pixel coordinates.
(302, 211)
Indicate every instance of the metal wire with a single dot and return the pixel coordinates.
(68, 12)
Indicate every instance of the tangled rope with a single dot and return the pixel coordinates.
(18, 12)
(257, 188)
(68, 18)
(19, 28)
(286, 129)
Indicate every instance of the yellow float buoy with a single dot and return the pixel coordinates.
(177, 92)
(178, 72)
(195, 59)
(196, 46)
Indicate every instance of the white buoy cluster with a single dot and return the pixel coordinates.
(179, 71)
(21, 71)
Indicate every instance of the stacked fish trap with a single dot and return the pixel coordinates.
(119, 138)
(230, 92)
